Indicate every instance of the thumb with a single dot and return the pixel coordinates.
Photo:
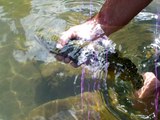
(65, 37)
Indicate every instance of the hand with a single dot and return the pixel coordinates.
(88, 31)
(145, 96)
(149, 87)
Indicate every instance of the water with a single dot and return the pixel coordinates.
(30, 77)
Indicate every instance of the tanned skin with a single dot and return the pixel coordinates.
(115, 14)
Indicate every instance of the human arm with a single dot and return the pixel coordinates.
(113, 15)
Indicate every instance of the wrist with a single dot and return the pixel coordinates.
(96, 30)
(107, 28)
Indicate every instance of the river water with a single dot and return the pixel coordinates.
(29, 75)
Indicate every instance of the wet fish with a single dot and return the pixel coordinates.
(97, 55)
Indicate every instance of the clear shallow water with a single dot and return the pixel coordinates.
(29, 76)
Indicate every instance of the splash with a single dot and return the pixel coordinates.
(93, 54)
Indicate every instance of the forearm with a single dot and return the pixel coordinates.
(115, 14)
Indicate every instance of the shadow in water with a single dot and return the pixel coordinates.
(59, 86)
(54, 87)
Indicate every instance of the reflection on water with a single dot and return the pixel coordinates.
(29, 76)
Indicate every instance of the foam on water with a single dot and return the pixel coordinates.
(93, 54)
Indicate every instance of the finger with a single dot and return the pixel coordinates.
(74, 65)
(59, 58)
(59, 45)
(68, 35)
(67, 60)
(148, 75)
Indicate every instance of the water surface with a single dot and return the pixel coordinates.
(29, 76)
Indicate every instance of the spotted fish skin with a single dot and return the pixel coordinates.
(96, 54)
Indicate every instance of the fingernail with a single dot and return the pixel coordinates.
(59, 46)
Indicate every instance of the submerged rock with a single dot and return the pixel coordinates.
(88, 106)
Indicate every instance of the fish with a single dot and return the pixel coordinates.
(96, 55)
